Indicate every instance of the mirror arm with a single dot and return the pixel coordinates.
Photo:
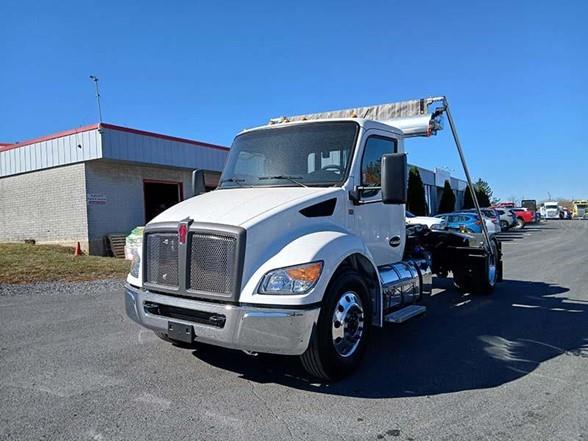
(355, 195)
(377, 201)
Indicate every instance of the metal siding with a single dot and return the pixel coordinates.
(123, 146)
(427, 176)
(458, 184)
(111, 144)
(42, 153)
(50, 153)
(20, 163)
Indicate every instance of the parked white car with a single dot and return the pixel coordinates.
(434, 223)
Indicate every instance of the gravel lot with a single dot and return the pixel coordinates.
(510, 366)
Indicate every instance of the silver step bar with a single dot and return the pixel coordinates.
(405, 313)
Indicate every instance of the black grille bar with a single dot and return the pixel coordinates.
(189, 315)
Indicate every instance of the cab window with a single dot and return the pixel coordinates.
(375, 147)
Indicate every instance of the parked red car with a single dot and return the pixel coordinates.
(524, 216)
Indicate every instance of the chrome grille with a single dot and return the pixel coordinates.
(162, 259)
(212, 263)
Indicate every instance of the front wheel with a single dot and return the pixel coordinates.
(503, 225)
(520, 223)
(340, 337)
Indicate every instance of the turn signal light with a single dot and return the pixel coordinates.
(309, 273)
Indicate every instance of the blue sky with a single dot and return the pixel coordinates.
(515, 73)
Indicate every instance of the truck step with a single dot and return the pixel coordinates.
(405, 313)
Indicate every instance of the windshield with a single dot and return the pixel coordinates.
(551, 207)
(409, 214)
(314, 154)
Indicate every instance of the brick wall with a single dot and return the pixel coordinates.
(47, 205)
(119, 187)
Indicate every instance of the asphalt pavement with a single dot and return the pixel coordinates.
(510, 366)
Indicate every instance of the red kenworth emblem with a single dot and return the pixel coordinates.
(183, 233)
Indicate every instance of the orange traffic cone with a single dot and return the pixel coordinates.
(78, 250)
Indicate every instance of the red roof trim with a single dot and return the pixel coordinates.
(5, 147)
(161, 136)
(49, 137)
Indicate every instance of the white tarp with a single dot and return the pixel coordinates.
(412, 117)
(381, 112)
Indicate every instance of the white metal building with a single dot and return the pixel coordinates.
(85, 183)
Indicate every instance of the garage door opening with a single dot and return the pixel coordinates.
(159, 196)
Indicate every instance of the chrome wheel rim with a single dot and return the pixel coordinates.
(348, 324)
(492, 266)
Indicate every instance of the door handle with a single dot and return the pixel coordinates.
(394, 241)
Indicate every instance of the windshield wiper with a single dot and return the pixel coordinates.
(236, 181)
(292, 179)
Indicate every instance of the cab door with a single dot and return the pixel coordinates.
(382, 227)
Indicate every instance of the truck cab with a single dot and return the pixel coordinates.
(580, 209)
(301, 248)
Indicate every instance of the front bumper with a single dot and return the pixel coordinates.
(267, 330)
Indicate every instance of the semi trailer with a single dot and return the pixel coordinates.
(303, 247)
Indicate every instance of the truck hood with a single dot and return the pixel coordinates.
(239, 206)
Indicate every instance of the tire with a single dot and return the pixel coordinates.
(503, 225)
(481, 278)
(329, 356)
(520, 223)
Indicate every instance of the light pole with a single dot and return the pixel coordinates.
(95, 79)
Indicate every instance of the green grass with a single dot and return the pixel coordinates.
(21, 263)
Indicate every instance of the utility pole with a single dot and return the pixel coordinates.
(95, 79)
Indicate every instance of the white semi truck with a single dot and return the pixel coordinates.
(303, 246)
(550, 210)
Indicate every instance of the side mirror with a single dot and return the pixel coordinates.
(198, 184)
(394, 178)
(204, 179)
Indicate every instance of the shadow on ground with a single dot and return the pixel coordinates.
(463, 343)
(520, 233)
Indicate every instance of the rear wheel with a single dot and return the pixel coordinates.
(340, 337)
(479, 278)
(520, 223)
(503, 225)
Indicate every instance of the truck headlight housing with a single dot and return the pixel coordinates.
(297, 279)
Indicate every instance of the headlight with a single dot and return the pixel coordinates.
(439, 226)
(297, 279)
(135, 262)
